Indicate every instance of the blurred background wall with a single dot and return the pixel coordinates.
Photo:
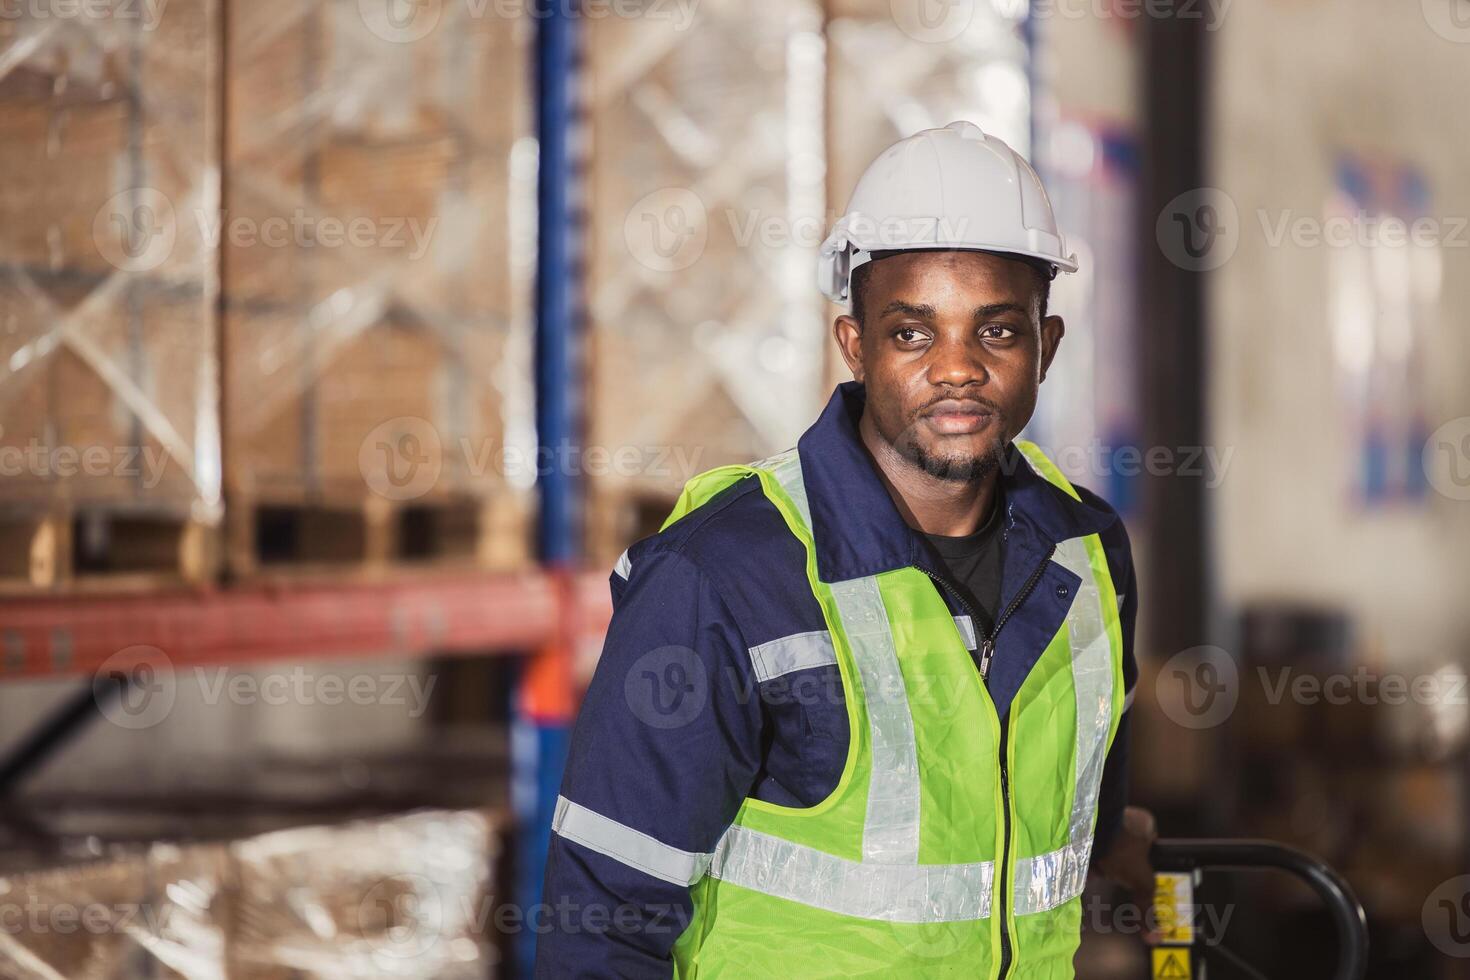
(1331, 364)
(342, 352)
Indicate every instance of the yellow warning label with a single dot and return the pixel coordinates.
(1171, 964)
(1174, 907)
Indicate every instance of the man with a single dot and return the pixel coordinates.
(862, 705)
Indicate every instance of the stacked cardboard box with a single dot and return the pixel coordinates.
(705, 176)
(107, 356)
(376, 310)
(376, 297)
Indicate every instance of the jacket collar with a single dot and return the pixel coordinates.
(858, 531)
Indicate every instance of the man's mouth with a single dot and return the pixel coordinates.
(957, 417)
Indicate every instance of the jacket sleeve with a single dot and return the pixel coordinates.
(665, 748)
(1113, 794)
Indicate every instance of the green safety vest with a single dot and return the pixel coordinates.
(951, 844)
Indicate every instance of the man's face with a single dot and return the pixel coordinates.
(951, 355)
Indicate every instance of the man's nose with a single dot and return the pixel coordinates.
(954, 362)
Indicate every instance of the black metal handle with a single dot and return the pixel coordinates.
(1181, 854)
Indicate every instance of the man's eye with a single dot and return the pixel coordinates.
(997, 331)
(906, 334)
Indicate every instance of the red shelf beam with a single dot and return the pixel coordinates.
(474, 613)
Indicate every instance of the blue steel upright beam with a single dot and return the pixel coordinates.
(545, 704)
(559, 268)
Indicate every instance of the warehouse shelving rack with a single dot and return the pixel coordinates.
(541, 614)
(411, 616)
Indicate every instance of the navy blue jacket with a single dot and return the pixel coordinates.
(675, 730)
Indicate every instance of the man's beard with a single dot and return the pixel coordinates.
(956, 468)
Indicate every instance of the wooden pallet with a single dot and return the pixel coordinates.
(103, 549)
(372, 537)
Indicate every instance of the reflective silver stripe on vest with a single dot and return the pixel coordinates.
(786, 468)
(795, 652)
(800, 651)
(966, 626)
(1052, 879)
(1092, 676)
(866, 889)
(626, 845)
(891, 829)
(1048, 880)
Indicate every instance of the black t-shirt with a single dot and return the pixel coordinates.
(972, 563)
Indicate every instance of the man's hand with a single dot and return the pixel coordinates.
(1127, 863)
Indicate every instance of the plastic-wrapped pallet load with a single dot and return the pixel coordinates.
(898, 66)
(705, 173)
(393, 898)
(154, 913)
(108, 386)
(711, 189)
(379, 188)
(404, 896)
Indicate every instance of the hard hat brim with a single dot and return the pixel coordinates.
(857, 256)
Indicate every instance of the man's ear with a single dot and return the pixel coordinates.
(1052, 329)
(849, 335)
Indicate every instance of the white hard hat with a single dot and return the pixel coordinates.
(954, 187)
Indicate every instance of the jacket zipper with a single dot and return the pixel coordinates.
(987, 653)
(987, 642)
(987, 647)
(1005, 859)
